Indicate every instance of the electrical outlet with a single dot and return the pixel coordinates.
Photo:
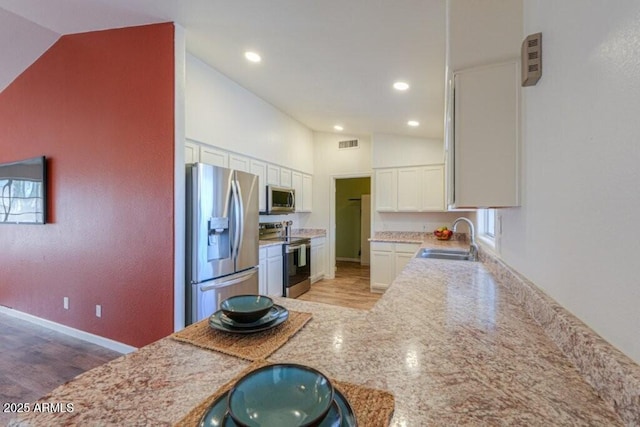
(65, 303)
(98, 310)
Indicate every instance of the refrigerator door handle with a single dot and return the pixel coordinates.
(236, 219)
(240, 212)
(230, 280)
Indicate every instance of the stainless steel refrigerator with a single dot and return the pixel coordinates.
(222, 237)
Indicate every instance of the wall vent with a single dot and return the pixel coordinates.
(344, 145)
(531, 59)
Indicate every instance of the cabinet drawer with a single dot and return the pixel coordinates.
(407, 248)
(382, 246)
(273, 251)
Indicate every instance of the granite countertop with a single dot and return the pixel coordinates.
(309, 233)
(453, 346)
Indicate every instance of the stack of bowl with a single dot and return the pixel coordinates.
(287, 395)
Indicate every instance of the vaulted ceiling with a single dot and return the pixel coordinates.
(323, 62)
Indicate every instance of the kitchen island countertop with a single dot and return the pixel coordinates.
(452, 346)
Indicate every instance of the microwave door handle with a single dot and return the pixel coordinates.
(292, 199)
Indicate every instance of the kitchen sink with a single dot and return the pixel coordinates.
(444, 254)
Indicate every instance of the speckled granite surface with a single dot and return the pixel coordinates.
(453, 345)
(614, 375)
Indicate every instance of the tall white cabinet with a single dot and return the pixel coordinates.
(486, 136)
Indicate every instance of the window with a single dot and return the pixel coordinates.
(487, 225)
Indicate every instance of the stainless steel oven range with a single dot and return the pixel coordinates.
(296, 258)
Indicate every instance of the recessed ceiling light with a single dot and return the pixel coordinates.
(338, 128)
(252, 56)
(401, 86)
(413, 123)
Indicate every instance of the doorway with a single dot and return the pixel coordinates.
(353, 224)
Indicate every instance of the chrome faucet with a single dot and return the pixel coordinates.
(473, 247)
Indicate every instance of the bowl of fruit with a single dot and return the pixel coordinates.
(443, 233)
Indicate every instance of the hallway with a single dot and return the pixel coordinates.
(350, 288)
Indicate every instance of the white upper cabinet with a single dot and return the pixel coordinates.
(307, 193)
(260, 169)
(410, 189)
(296, 184)
(273, 175)
(285, 177)
(214, 156)
(486, 136)
(409, 183)
(191, 152)
(239, 162)
(432, 188)
(386, 190)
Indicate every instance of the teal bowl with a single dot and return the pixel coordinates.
(280, 395)
(246, 308)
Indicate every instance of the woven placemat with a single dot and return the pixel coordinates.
(246, 346)
(373, 408)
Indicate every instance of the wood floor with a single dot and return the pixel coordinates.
(34, 360)
(350, 288)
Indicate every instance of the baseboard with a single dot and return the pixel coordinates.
(67, 330)
(348, 259)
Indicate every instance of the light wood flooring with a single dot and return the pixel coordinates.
(34, 360)
(350, 288)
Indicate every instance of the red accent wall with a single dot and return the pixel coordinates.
(100, 106)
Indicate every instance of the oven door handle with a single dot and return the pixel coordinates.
(290, 248)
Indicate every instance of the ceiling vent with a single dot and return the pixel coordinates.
(345, 145)
(532, 59)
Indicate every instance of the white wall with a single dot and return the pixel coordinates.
(482, 32)
(331, 163)
(576, 234)
(222, 113)
(395, 151)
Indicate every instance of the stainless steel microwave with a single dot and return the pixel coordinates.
(280, 200)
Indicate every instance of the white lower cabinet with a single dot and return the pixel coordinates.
(387, 261)
(273, 274)
(262, 271)
(317, 259)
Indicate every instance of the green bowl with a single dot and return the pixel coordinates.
(280, 395)
(246, 308)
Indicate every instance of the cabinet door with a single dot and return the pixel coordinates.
(296, 184)
(214, 156)
(285, 177)
(409, 185)
(486, 136)
(260, 169)
(273, 175)
(432, 188)
(386, 190)
(400, 261)
(307, 193)
(191, 152)
(382, 268)
(262, 272)
(317, 259)
(274, 276)
(321, 269)
(239, 162)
